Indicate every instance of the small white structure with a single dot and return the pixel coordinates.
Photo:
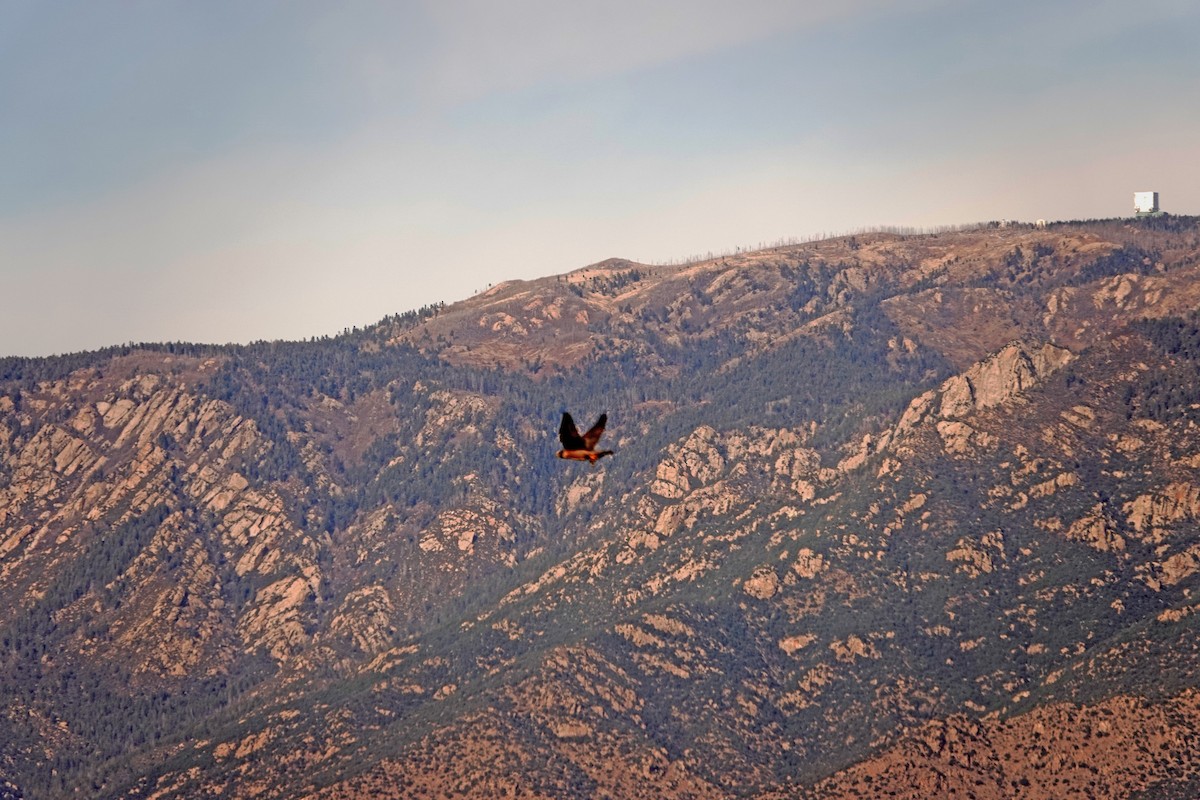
(1145, 202)
(1041, 223)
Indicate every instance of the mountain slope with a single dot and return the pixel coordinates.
(869, 493)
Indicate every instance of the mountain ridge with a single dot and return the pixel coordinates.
(863, 488)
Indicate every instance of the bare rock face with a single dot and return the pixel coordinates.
(1073, 314)
(763, 584)
(698, 459)
(960, 438)
(1098, 531)
(852, 648)
(364, 620)
(1013, 370)
(1150, 514)
(462, 529)
(974, 561)
(791, 644)
(809, 564)
(150, 444)
(998, 379)
(278, 616)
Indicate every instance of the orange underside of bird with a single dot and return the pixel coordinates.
(584, 455)
(581, 448)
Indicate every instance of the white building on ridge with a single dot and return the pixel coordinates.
(1145, 203)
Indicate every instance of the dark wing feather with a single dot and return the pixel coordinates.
(594, 433)
(568, 434)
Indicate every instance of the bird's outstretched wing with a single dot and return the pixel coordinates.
(568, 434)
(595, 432)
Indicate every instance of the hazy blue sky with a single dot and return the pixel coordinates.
(227, 171)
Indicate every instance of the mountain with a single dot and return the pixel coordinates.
(889, 515)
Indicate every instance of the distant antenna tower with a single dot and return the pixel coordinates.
(1145, 204)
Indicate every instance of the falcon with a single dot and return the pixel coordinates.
(581, 448)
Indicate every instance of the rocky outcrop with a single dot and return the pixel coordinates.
(698, 460)
(977, 558)
(998, 379)
(149, 443)
(460, 530)
(364, 620)
(763, 584)
(1097, 530)
(852, 648)
(1009, 373)
(1083, 315)
(1150, 515)
(809, 564)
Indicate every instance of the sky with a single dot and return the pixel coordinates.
(240, 170)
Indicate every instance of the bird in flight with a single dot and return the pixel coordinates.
(581, 448)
